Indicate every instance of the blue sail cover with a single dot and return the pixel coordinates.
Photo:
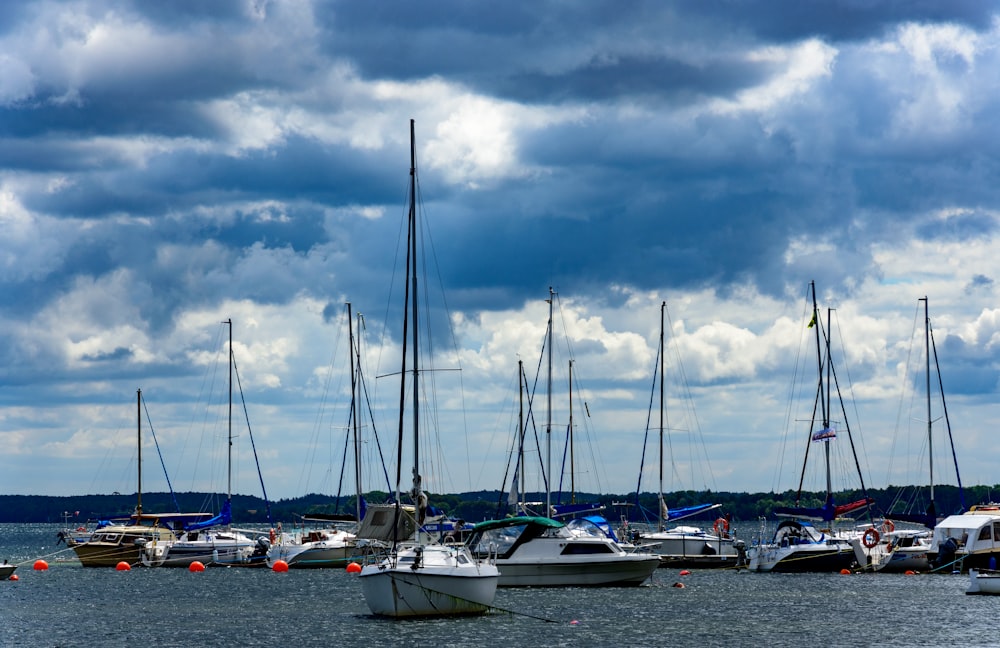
(224, 517)
(826, 513)
(688, 511)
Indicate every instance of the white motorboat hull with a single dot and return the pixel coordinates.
(442, 581)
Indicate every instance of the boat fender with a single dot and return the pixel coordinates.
(721, 526)
(870, 538)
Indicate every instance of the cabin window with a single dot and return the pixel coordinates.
(985, 534)
(577, 548)
(996, 532)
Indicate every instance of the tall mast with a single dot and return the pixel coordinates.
(229, 461)
(548, 417)
(417, 492)
(520, 426)
(354, 415)
(826, 411)
(927, 353)
(138, 416)
(663, 307)
(572, 470)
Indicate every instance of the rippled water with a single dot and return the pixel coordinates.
(68, 605)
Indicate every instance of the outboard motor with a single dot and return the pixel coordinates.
(946, 553)
(741, 553)
(260, 549)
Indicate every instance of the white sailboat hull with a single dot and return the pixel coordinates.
(320, 553)
(434, 580)
(683, 547)
(821, 557)
(209, 549)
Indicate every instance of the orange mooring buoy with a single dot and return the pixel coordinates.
(123, 566)
(13, 577)
(196, 566)
(353, 568)
(845, 571)
(279, 566)
(41, 565)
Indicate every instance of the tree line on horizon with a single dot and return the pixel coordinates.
(85, 510)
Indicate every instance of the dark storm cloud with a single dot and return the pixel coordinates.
(634, 78)
(296, 170)
(535, 52)
(837, 20)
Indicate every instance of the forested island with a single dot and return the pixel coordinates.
(473, 506)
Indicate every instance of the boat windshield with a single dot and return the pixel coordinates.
(496, 540)
(581, 527)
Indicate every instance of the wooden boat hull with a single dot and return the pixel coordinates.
(114, 544)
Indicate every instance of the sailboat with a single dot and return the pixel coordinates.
(894, 549)
(798, 545)
(123, 540)
(685, 545)
(418, 579)
(326, 544)
(539, 551)
(213, 541)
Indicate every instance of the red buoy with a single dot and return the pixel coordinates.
(13, 577)
(41, 565)
(353, 568)
(685, 572)
(279, 566)
(123, 566)
(845, 571)
(196, 566)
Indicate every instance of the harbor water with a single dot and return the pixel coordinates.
(68, 605)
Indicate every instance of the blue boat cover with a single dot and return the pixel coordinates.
(224, 517)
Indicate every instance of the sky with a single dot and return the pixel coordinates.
(167, 167)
